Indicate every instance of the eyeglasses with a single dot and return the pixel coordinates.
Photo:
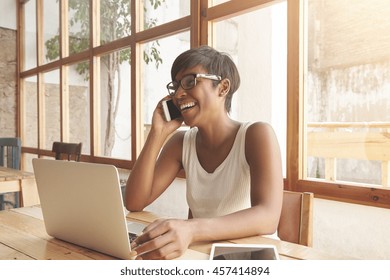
(189, 81)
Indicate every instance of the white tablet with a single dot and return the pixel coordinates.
(229, 251)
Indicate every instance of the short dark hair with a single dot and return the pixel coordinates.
(214, 62)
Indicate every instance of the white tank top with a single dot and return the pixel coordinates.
(224, 191)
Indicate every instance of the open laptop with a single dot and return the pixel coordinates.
(82, 204)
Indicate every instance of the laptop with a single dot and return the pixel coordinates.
(82, 204)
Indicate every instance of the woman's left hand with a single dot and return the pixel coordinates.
(163, 239)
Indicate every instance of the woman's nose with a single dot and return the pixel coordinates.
(180, 92)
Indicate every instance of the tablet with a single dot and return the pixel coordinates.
(229, 251)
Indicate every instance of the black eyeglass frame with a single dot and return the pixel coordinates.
(173, 86)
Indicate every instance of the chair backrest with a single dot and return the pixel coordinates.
(68, 150)
(296, 220)
(10, 152)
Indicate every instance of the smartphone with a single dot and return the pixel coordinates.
(171, 112)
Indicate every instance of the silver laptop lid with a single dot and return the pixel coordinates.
(82, 204)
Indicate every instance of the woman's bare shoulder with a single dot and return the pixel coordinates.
(175, 142)
(260, 138)
(259, 129)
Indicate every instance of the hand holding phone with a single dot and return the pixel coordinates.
(171, 112)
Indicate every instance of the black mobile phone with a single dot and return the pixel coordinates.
(171, 112)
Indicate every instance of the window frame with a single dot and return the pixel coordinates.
(339, 191)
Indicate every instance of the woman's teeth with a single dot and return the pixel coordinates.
(187, 105)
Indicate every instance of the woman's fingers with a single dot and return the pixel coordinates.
(167, 252)
(161, 240)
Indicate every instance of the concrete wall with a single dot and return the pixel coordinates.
(7, 82)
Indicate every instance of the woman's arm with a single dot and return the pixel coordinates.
(154, 170)
(166, 239)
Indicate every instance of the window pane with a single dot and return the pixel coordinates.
(51, 27)
(347, 91)
(51, 99)
(31, 112)
(30, 33)
(115, 21)
(78, 110)
(78, 26)
(157, 74)
(217, 2)
(115, 113)
(261, 58)
(157, 12)
(27, 162)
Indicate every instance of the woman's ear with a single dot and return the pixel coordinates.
(224, 87)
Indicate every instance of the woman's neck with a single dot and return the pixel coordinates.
(214, 134)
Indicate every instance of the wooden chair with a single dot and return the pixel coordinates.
(296, 220)
(10, 154)
(68, 150)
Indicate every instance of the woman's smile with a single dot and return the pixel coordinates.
(184, 106)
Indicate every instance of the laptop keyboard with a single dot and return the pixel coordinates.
(132, 236)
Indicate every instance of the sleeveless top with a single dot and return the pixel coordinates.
(224, 191)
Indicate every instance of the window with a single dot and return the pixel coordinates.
(159, 12)
(78, 15)
(29, 36)
(76, 106)
(51, 26)
(30, 109)
(50, 104)
(82, 70)
(115, 20)
(345, 100)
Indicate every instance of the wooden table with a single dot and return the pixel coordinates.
(13, 180)
(23, 236)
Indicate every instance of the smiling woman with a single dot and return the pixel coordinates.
(233, 170)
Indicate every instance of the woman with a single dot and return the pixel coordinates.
(233, 170)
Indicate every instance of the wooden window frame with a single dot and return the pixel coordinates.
(345, 192)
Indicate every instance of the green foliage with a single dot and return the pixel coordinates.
(53, 48)
(156, 3)
(153, 55)
(115, 22)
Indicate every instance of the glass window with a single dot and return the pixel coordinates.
(115, 104)
(78, 107)
(347, 85)
(217, 2)
(115, 20)
(51, 29)
(27, 162)
(79, 26)
(51, 109)
(30, 117)
(261, 58)
(30, 36)
(157, 12)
